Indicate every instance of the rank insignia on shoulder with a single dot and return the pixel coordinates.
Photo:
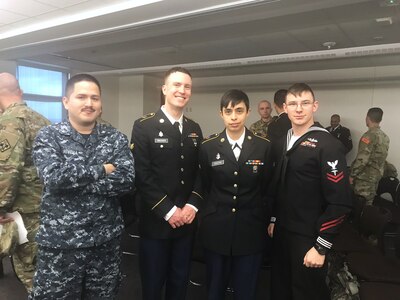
(337, 176)
(211, 137)
(148, 116)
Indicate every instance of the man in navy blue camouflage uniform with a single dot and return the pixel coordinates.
(85, 166)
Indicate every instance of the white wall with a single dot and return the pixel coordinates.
(350, 102)
(139, 95)
(110, 98)
(131, 91)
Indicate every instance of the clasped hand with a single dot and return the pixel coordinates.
(182, 216)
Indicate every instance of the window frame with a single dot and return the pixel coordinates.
(45, 98)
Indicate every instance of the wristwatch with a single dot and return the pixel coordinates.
(320, 249)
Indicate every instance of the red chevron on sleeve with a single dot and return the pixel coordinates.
(332, 223)
(335, 178)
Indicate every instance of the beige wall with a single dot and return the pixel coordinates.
(350, 101)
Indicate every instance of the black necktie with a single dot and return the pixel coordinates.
(236, 152)
(176, 125)
(236, 146)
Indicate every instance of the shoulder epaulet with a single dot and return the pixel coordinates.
(260, 137)
(146, 117)
(210, 138)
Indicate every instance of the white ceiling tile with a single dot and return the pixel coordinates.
(61, 3)
(26, 7)
(9, 17)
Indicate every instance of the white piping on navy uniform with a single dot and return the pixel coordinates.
(324, 243)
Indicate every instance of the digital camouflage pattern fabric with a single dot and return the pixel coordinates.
(67, 284)
(20, 187)
(260, 127)
(368, 167)
(71, 167)
(81, 219)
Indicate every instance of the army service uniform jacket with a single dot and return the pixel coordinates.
(20, 187)
(166, 168)
(80, 204)
(343, 135)
(314, 191)
(234, 220)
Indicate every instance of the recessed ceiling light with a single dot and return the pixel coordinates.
(386, 3)
(329, 45)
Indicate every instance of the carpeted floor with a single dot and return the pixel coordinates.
(12, 289)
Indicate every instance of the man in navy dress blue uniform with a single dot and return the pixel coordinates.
(312, 201)
(340, 132)
(165, 145)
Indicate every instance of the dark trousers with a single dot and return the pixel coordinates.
(165, 262)
(290, 279)
(242, 270)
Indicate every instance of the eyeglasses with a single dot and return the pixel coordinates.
(303, 104)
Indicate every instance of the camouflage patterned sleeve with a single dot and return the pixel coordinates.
(252, 127)
(60, 171)
(12, 153)
(363, 155)
(122, 179)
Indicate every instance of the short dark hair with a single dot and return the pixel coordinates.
(176, 69)
(280, 97)
(69, 88)
(335, 116)
(299, 88)
(234, 97)
(375, 114)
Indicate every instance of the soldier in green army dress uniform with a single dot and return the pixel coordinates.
(20, 187)
(367, 168)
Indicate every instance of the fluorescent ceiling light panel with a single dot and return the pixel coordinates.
(77, 17)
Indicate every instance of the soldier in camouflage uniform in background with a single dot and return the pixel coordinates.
(20, 187)
(367, 168)
(85, 166)
(261, 126)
